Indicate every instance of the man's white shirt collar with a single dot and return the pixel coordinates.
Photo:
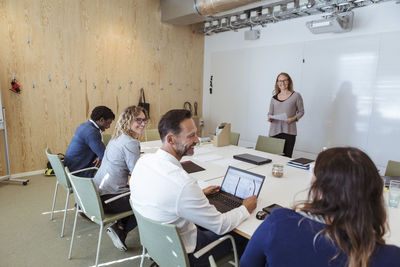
(97, 126)
(167, 156)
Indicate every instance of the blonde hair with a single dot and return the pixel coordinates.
(123, 125)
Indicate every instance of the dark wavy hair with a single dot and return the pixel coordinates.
(290, 85)
(348, 192)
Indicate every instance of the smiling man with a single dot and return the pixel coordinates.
(86, 148)
(161, 190)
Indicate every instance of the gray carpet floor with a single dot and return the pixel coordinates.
(29, 238)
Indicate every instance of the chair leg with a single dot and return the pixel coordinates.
(54, 202)
(98, 244)
(73, 233)
(65, 211)
(143, 255)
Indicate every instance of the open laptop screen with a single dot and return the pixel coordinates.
(241, 183)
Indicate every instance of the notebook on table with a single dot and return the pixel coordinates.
(301, 161)
(237, 185)
(191, 167)
(252, 159)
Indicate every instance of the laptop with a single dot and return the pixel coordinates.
(252, 159)
(237, 185)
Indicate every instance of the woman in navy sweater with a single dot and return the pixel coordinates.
(341, 224)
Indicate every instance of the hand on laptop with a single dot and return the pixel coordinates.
(212, 189)
(250, 203)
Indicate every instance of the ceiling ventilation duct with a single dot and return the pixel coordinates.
(232, 15)
(185, 12)
(212, 7)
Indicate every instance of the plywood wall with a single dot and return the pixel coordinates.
(72, 55)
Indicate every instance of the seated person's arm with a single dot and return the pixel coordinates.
(93, 140)
(194, 206)
(131, 154)
(250, 203)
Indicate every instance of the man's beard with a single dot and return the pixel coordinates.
(183, 150)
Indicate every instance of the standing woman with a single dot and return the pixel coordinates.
(285, 101)
(119, 159)
(342, 223)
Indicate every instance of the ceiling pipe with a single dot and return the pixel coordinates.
(212, 7)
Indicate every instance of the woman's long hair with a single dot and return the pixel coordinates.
(290, 85)
(348, 192)
(123, 125)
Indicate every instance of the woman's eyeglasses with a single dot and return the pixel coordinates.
(141, 120)
(283, 81)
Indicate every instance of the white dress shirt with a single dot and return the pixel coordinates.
(162, 191)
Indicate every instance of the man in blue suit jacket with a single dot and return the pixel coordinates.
(86, 148)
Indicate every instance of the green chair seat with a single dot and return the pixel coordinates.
(106, 138)
(164, 244)
(88, 200)
(110, 218)
(270, 144)
(392, 168)
(151, 135)
(62, 180)
(235, 138)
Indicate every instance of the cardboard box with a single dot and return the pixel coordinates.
(224, 137)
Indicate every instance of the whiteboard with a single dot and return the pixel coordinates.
(350, 87)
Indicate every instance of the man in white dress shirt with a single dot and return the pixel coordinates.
(162, 191)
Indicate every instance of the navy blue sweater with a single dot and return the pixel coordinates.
(85, 146)
(282, 240)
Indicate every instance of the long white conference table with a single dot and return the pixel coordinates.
(291, 187)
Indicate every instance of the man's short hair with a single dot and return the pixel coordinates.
(170, 122)
(102, 112)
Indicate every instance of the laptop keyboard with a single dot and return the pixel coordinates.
(224, 203)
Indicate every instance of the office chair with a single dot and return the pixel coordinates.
(164, 244)
(88, 200)
(151, 135)
(392, 168)
(235, 138)
(106, 138)
(63, 180)
(270, 145)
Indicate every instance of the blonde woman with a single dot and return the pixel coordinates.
(343, 222)
(119, 159)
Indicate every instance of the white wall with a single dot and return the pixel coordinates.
(350, 82)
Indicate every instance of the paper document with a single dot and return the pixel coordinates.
(279, 117)
(224, 162)
(207, 157)
(202, 150)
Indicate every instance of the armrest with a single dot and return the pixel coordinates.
(117, 197)
(85, 169)
(210, 246)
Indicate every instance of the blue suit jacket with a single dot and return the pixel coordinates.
(84, 147)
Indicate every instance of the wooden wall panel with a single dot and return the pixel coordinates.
(118, 46)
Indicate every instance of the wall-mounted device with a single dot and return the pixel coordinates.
(337, 23)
